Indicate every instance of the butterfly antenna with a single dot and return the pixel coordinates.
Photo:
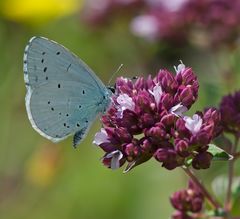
(119, 68)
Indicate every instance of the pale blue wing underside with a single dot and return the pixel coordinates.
(64, 96)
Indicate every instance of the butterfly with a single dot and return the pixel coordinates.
(64, 96)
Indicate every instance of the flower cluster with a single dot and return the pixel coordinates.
(146, 119)
(175, 21)
(230, 112)
(99, 14)
(187, 202)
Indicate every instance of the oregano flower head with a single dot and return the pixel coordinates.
(147, 119)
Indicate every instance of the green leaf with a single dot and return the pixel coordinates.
(236, 190)
(218, 153)
(220, 185)
(216, 213)
(188, 162)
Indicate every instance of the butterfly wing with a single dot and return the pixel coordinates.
(64, 96)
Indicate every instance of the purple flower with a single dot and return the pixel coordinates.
(174, 22)
(178, 110)
(169, 158)
(180, 215)
(187, 201)
(193, 124)
(181, 67)
(146, 120)
(230, 112)
(101, 137)
(202, 160)
(125, 102)
(112, 159)
(157, 93)
(146, 26)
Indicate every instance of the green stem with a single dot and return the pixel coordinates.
(228, 202)
(212, 201)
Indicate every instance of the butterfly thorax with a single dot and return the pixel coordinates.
(105, 101)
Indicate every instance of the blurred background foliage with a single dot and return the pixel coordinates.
(39, 179)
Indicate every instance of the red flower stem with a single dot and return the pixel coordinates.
(213, 202)
(228, 202)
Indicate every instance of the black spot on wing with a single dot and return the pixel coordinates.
(68, 67)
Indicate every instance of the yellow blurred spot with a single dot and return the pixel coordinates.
(43, 165)
(38, 11)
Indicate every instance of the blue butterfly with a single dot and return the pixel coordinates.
(64, 96)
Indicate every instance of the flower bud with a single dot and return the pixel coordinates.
(186, 96)
(169, 158)
(230, 112)
(157, 133)
(188, 200)
(147, 120)
(147, 146)
(168, 120)
(167, 101)
(202, 160)
(123, 135)
(167, 81)
(132, 150)
(181, 215)
(182, 148)
(144, 101)
(183, 132)
(130, 122)
(188, 77)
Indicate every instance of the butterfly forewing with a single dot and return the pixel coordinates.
(63, 94)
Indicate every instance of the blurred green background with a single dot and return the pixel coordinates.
(39, 179)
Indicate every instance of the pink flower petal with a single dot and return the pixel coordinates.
(193, 124)
(180, 67)
(115, 156)
(101, 137)
(156, 92)
(146, 26)
(178, 110)
(125, 102)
